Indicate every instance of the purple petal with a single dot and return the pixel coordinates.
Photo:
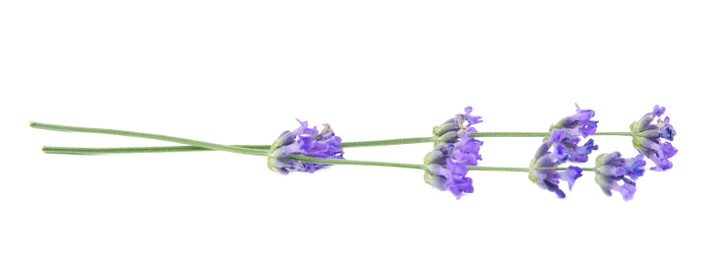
(571, 175)
(668, 150)
(658, 111)
(472, 119)
(627, 191)
(580, 154)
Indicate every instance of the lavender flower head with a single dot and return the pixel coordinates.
(551, 154)
(611, 168)
(304, 141)
(575, 126)
(446, 165)
(647, 138)
(453, 128)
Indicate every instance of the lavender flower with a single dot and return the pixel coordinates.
(611, 168)
(445, 165)
(575, 126)
(304, 141)
(647, 138)
(541, 167)
(451, 129)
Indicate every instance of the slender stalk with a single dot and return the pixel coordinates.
(585, 169)
(122, 150)
(516, 169)
(498, 169)
(171, 149)
(509, 134)
(415, 140)
(355, 162)
(179, 140)
(412, 166)
(614, 133)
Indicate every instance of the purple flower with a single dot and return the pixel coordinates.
(648, 138)
(550, 155)
(453, 128)
(303, 141)
(579, 123)
(446, 165)
(575, 126)
(611, 168)
(472, 120)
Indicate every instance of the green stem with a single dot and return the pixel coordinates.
(355, 162)
(614, 133)
(202, 144)
(509, 134)
(170, 149)
(498, 169)
(516, 169)
(121, 150)
(564, 168)
(412, 166)
(415, 140)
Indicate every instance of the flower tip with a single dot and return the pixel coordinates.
(472, 120)
(668, 150)
(588, 113)
(640, 160)
(461, 192)
(302, 123)
(659, 110)
(662, 166)
(627, 191)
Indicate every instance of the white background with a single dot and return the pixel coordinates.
(240, 73)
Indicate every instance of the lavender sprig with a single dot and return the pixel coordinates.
(303, 141)
(648, 138)
(446, 165)
(611, 168)
(577, 126)
(541, 166)
(455, 153)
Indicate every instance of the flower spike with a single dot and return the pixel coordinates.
(648, 138)
(611, 168)
(445, 165)
(546, 158)
(575, 126)
(304, 141)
